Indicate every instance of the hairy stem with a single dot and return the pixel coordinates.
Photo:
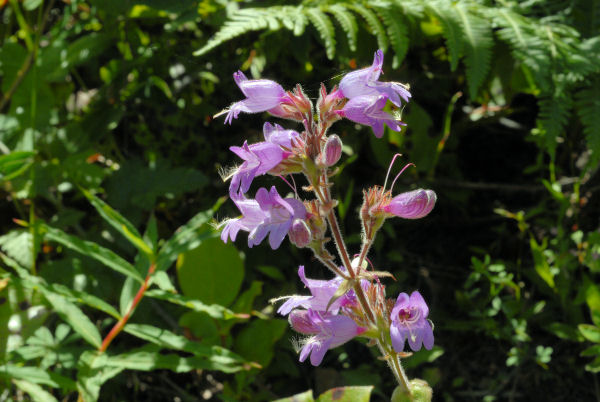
(118, 327)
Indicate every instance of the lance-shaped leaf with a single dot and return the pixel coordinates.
(93, 250)
(122, 225)
(214, 310)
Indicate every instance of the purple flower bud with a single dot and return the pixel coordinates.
(409, 321)
(261, 95)
(412, 204)
(368, 110)
(332, 151)
(365, 82)
(299, 233)
(328, 331)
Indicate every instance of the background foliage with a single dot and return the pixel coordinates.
(108, 147)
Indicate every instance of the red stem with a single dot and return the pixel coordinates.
(121, 323)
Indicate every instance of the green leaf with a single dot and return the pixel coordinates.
(93, 250)
(347, 22)
(15, 164)
(92, 373)
(591, 351)
(324, 26)
(397, 30)
(90, 300)
(423, 356)
(75, 317)
(590, 332)
(594, 366)
(588, 108)
(214, 310)
(37, 376)
(36, 392)
(478, 47)
(347, 394)
(373, 23)
(451, 28)
(541, 264)
(168, 340)
(187, 237)
(122, 225)
(306, 396)
(31, 4)
(565, 331)
(149, 358)
(256, 341)
(18, 244)
(212, 272)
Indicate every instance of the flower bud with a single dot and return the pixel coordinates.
(420, 391)
(331, 152)
(299, 234)
(412, 204)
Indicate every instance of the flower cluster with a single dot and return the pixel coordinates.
(353, 303)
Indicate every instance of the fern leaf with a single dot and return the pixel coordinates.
(478, 47)
(525, 45)
(411, 8)
(373, 23)
(347, 22)
(552, 118)
(397, 31)
(253, 19)
(451, 29)
(300, 22)
(325, 28)
(587, 104)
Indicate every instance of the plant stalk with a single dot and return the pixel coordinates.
(118, 327)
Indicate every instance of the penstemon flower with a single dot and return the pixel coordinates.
(365, 82)
(261, 157)
(268, 214)
(353, 303)
(409, 321)
(368, 110)
(261, 95)
(328, 331)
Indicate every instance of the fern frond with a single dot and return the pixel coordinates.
(247, 20)
(552, 118)
(525, 45)
(587, 104)
(325, 28)
(397, 31)
(478, 47)
(411, 8)
(451, 29)
(347, 21)
(373, 23)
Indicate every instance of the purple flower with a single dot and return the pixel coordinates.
(261, 157)
(412, 204)
(328, 331)
(261, 95)
(365, 82)
(409, 320)
(268, 214)
(368, 110)
(321, 293)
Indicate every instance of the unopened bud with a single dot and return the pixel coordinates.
(332, 151)
(299, 233)
(420, 391)
(412, 204)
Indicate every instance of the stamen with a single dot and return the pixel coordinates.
(227, 173)
(389, 170)
(288, 183)
(398, 175)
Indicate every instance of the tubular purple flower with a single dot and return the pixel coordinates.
(321, 293)
(412, 204)
(261, 157)
(365, 82)
(261, 95)
(268, 214)
(328, 331)
(368, 110)
(409, 321)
